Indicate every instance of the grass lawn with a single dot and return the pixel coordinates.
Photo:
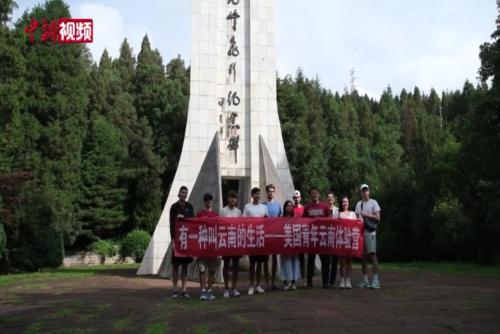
(112, 299)
(449, 268)
(61, 273)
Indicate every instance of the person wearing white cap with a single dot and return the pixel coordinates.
(369, 211)
(298, 211)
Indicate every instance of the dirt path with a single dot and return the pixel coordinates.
(119, 302)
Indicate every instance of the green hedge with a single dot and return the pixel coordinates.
(104, 249)
(135, 244)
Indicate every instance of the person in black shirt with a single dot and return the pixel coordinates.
(180, 209)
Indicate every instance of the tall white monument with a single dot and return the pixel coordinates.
(233, 135)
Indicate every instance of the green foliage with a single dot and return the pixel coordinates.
(3, 243)
(88, 150)
(101, 211)
(38, 243)
(135, 244)
(103, 248)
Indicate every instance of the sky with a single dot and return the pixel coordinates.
(424, 43)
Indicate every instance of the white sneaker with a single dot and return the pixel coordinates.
(235, 293)
(375, 284)
(210, 295)
(293, 287)
(342, 284)
(227, 293)
(364, 285)
(287, 287)
(251, 291)
(203, 295)
(348, 284)
(260, 290)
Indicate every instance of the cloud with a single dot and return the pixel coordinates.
(109, 28)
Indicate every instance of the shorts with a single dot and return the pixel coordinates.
(181, 261)
(370, 242)
(259, 258)
(208, 263)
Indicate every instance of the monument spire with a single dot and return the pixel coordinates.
(233, 135)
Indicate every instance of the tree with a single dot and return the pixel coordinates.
(101, 210)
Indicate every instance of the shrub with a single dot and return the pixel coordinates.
(135, 244)
(3, 242)
(103, 248)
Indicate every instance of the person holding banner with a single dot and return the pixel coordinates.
(180, 209)
(345, 261)
(298, 211)
(209, 264)
(369, 211)
(316, 209)
(331, 260)
(255, 209)
(274, 210)
(231, 210)
(290, 264)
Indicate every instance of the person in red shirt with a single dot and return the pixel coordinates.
(209, 264)
(312, 210)
(298, 211)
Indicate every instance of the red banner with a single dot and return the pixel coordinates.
(262, 236)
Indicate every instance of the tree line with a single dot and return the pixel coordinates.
(88, 150)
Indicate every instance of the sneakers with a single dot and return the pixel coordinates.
(227, 293)
(260, 290)
(287, 287)
(375, 284)
(342, 284)
(184, 295)
(293, 287)
(364, 285)
(210, 295)
(203, 295)
(251, 290)
(235, 293)
(175, 295)
(348, 284)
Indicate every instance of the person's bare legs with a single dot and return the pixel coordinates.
(259, 271)
(252, 272)
(211, 279)
(203, 279)
(343, 267)
(265, 264)
(364, 266)
(374, 261)
(175, 276)
(184, 276)
(236, 270)
(348, 268)
(274, 268)
(225, 273)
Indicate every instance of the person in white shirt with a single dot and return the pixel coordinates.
(345, 261)
(369, 211)
(255, 209)
(231, 262)
(331, 261)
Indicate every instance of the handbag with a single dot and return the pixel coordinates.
(370, 224)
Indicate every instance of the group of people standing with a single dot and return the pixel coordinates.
(293, 267)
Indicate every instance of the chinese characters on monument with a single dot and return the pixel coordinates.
(228, 118)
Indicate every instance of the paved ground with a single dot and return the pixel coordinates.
(117, 301)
